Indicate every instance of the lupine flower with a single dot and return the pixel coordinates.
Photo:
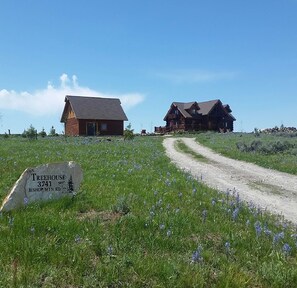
(287, 249)
(159, 203)
(77, 239)
(167, 182)
(162, 226)
(213, 201)
(247, 223)
(32, 230)
(204, 215)
(180, 194)
(267, 232)
(228, 247)
(26, 201)
(197, 257)
(194, 191)
(277, 237)
(258, 228)
(235, 214)
(168, 233)
(109, 250)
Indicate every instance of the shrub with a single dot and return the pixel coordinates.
(31, 133)
(42, 133)
(53, 132)
(129, 133)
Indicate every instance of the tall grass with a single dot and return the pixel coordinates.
(137, 221)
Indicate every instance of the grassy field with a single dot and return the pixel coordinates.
(137, 221)
(276, 151)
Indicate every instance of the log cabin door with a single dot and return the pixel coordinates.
(91, 129)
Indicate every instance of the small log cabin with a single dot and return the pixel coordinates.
(91, 116)
(198, 116)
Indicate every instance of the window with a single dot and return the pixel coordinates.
(103, 127)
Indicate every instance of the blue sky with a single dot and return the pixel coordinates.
(148, 53)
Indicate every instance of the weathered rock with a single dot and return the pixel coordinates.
(42, 183)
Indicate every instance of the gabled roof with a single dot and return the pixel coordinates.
(183, 107)
(205, 108)
(94, 108)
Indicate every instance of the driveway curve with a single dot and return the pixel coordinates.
(270, 189)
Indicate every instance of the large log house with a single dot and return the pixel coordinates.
(198, 116)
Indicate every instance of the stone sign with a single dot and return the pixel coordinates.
(45, 182)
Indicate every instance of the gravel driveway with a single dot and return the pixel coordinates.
(266, 188)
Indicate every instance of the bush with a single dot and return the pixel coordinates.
(53, 132)
(31, 133)
(265, 148)
(129, 133)
(42, 133)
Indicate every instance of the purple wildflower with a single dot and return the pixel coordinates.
(109, 250)
(287, 249)
(194, 191)
(167, 182)
(162, 226)
(77, 239)
(277, 237)
(204, 215)
(267, 232)
(258, 228)
(197, 257)
(228, 247)
(26, 201)
(235, 214)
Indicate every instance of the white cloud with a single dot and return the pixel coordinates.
(50, 100)
(196, 76)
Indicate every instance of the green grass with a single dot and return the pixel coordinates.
(136, 222)
(276, 151)
(181, 146)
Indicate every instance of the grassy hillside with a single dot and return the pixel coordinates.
(136, 222)
(276, 151)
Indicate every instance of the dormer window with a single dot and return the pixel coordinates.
(176, 112)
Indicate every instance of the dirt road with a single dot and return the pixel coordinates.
(266, 188)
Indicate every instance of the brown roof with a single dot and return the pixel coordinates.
(205, 108)
(95, 108)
